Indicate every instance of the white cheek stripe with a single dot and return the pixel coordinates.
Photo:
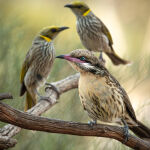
(88, 66)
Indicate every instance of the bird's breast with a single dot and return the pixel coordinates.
(44, 59)
(100, 100)
(91, 84)
(91, 35)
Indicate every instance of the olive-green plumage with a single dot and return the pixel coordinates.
(37, 64)
(94, 35)
(101, 95)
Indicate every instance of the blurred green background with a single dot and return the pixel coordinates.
(129, 24)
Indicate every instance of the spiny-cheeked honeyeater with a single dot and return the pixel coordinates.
(93, 33)
(101, 95)
(37, 64)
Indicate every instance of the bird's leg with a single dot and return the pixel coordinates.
(92, 123)
(125, 130)
(101, 58)
(50, 86)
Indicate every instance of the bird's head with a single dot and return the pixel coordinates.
(79, 8)
(49, 33)
(83, 61)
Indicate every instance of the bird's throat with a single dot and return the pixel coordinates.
(46, 38)
(87, 12)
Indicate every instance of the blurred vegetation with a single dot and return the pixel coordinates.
(129, 23)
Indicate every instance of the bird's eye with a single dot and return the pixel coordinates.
(79, 6)
(53, 30)
(82, 58)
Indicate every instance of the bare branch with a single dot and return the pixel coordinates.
(5, 96)
(6, 142)
(32, 122)
(62, 86)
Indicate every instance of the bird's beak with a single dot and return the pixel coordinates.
(69, 58)
(61, 56)
(69, 6)
(62, 28)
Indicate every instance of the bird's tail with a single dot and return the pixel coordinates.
(116, 59)
(141, 130)
(30, 102)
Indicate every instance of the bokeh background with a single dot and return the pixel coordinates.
(129, 23)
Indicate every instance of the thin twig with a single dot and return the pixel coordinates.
(5, 96)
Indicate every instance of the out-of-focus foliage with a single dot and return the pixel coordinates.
(129, 23)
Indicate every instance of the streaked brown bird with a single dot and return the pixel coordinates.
(93, 33)
(37, 64)
(101, 95)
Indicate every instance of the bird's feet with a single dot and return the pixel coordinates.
(92, 123)
(50, 86)
(125, 131)
(46, 98)
(102, 60)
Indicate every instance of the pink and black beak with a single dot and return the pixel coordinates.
(70, 58)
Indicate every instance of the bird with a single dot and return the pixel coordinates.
(93, 33)
(37, 64)
(102, 96)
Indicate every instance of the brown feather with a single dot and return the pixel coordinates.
(22, 89)
(141, 130)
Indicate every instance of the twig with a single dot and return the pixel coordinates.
(5, 96)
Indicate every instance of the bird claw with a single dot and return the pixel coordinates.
(102, 59)
(125, 131)
(92, 123)
(48, 99)
(50, 86)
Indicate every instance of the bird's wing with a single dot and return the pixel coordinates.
(25, 67)
(126, 99)
(107, 33)
(103, 28)
(28, 61)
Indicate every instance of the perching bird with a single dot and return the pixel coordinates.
(93, 33)
(101, 94)
(37, 64)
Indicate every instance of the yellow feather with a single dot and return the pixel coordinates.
(87, 12)
(29, 102)
(23, 72)
(46, 38)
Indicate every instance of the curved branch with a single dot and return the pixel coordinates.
(5, 96)
(32, 122)
(62, 86)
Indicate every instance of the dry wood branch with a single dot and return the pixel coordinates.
(6, 142)
(32, 122)
(62, 86)
(5, 96)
